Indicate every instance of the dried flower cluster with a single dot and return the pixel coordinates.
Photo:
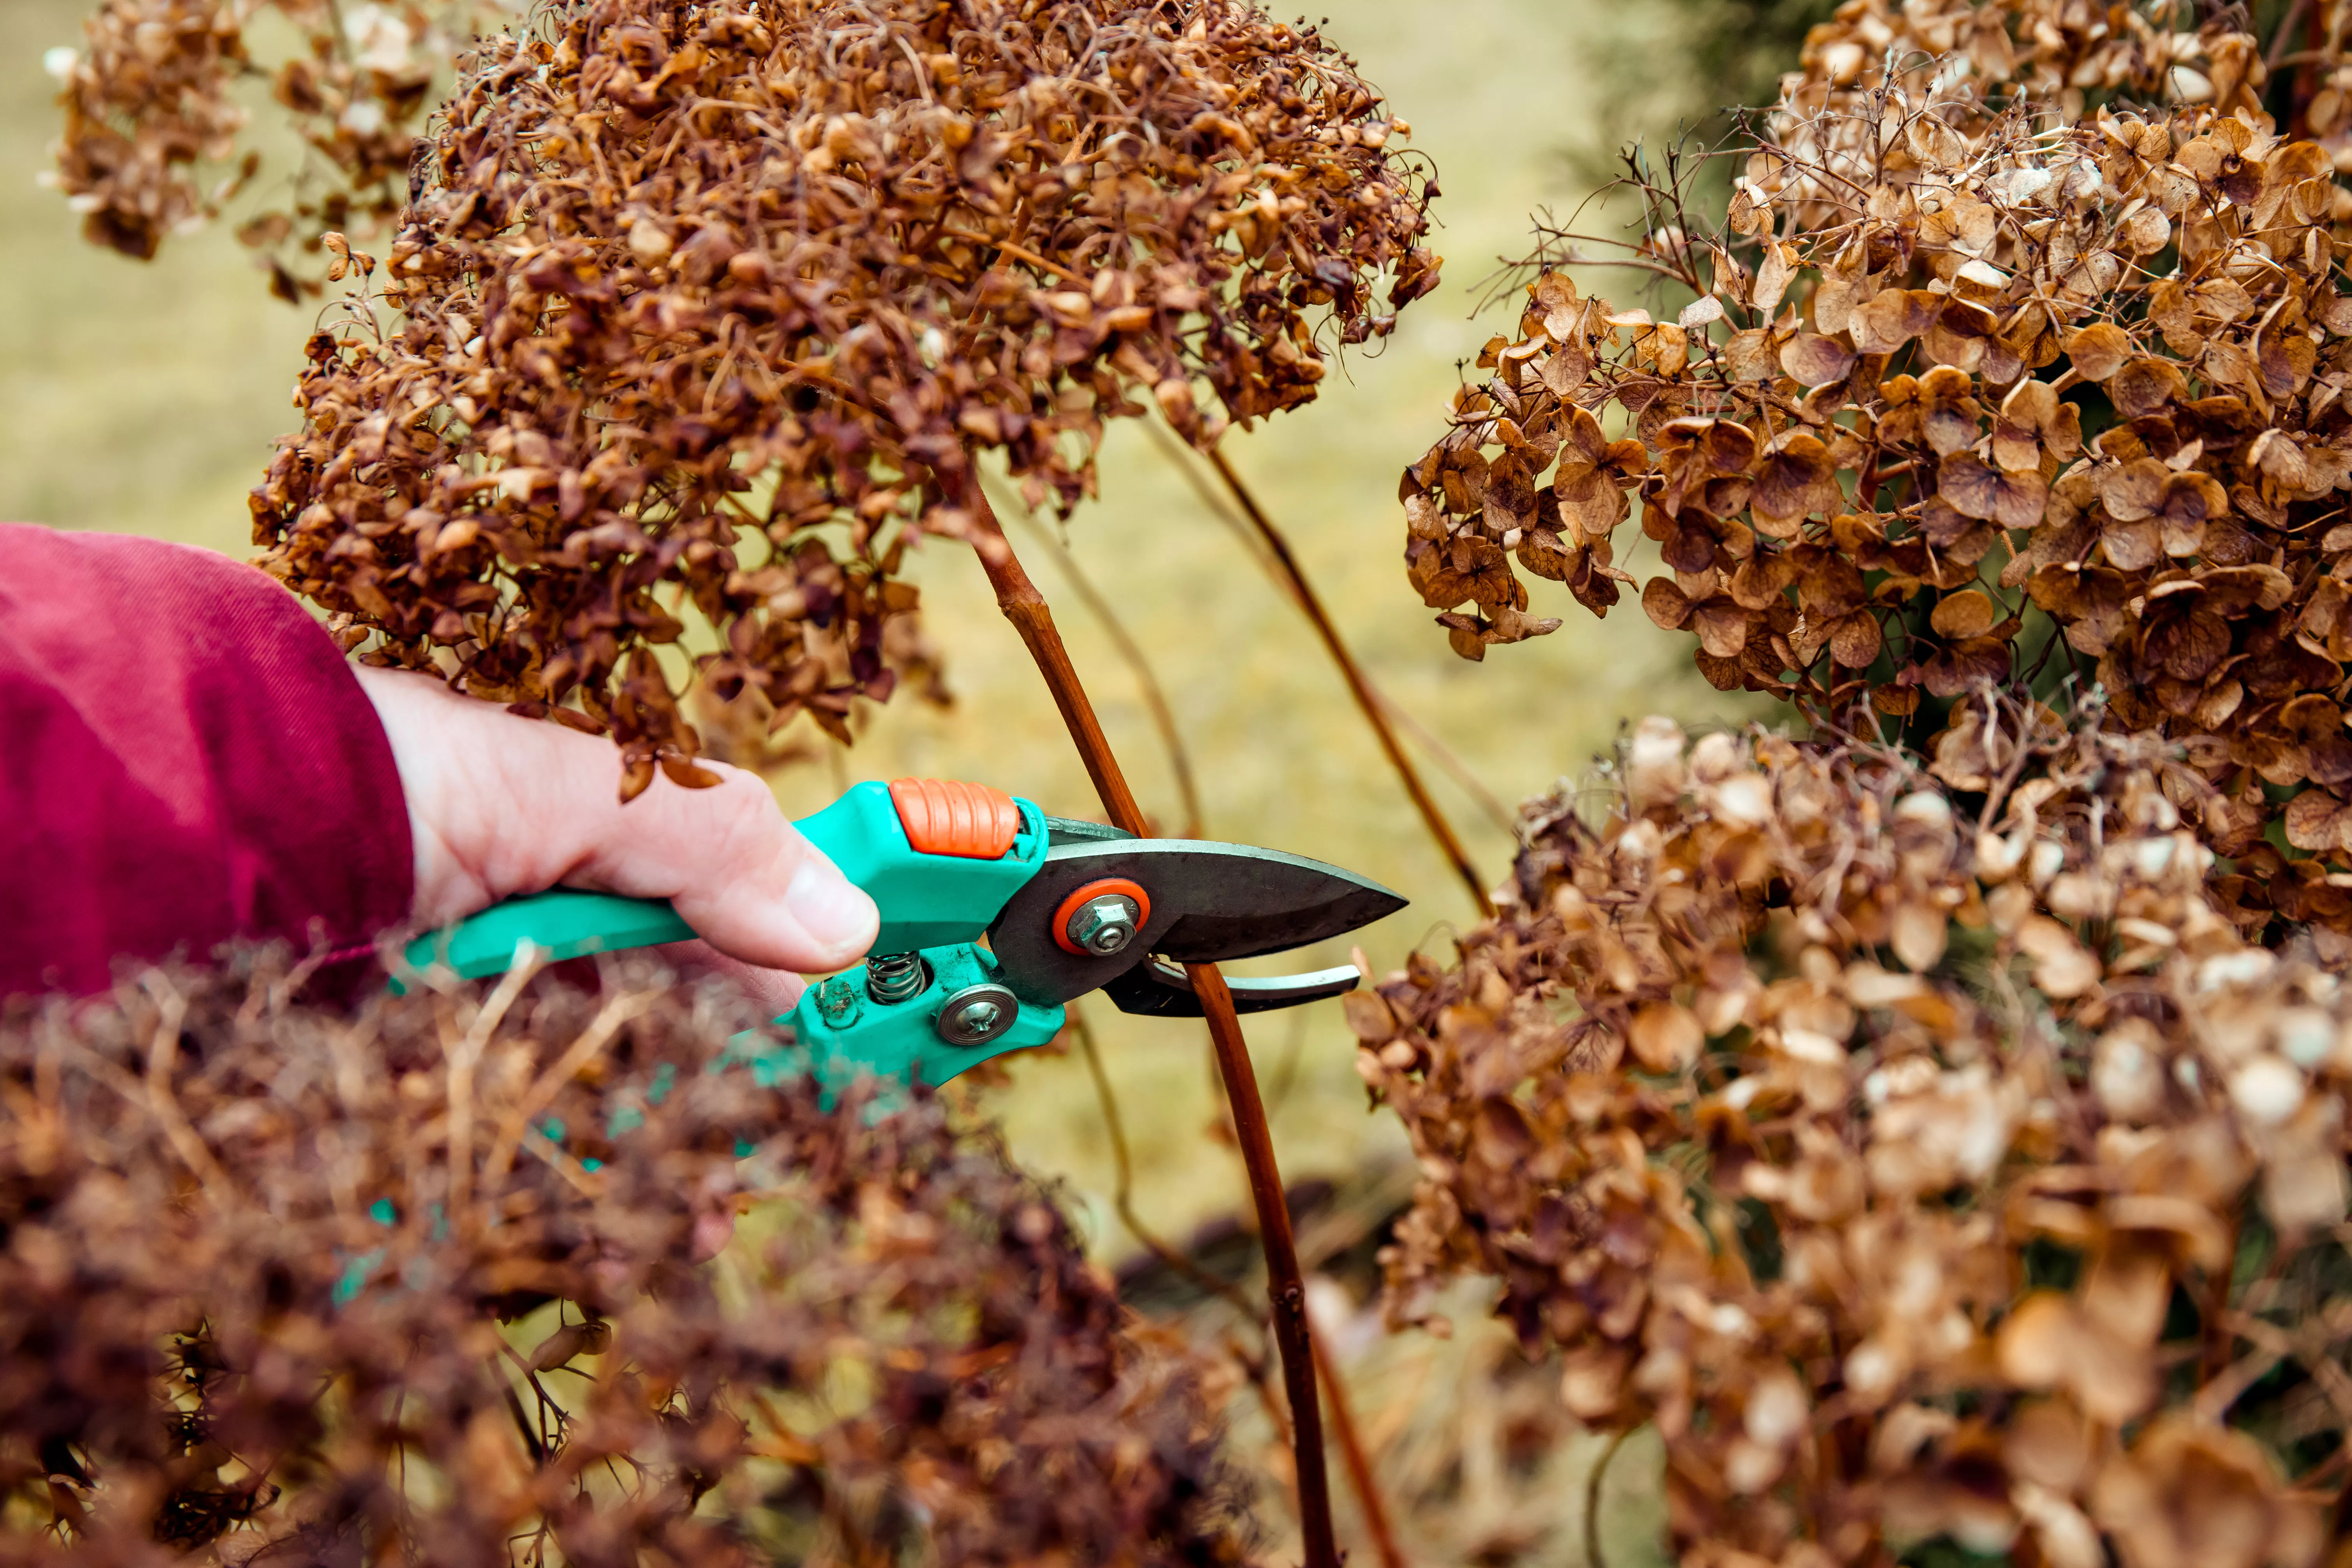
(1923, 1151)
(1941, 1144)
(709, 310)
(152, 127)
(1977, 388)
(432, 1280)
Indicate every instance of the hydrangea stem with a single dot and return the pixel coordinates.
(1025, 607)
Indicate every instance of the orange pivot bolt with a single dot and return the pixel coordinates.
(1101, 918)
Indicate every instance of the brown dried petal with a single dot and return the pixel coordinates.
(1855, 640)
(2145, 386)
(1893, 318)
(1797, 479)
(1665, 1036)
(1510, 500)
(1968, 613)
(2317, 820)
(1977, 489)
(1815, 360)
(2097, 352)
(2132, 546)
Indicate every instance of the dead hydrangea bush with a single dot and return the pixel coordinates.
(1923, 1151)
(1979, 385)
(712, 308)
(449, 1278)
(156, 142)
(1935, 1126)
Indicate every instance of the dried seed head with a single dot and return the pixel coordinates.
(1727, 1103)
(259, 1290)
(1865, 460)
(153, 142)
(709, 314)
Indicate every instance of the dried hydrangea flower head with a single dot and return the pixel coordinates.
(1923, 1152)
(724, 301)
(153, 132)
(280, 1273)
(2051, 60)
(1971, 391)
(1920, 1138)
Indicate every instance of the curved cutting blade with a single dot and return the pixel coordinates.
(1158, 989)
(1210, 902)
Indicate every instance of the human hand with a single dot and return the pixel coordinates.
(501, 806)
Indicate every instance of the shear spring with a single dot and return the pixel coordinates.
(896, 976)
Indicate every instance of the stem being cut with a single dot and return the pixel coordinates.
(1343, 1419)
(1286, 1287)
(1155, 698)
(1025, 607)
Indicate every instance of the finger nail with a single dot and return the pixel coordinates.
(835, 912)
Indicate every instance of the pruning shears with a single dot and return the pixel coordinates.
(1066, 907)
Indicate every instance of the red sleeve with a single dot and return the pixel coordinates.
(184, 758)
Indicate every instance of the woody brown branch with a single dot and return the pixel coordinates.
(1025, 607)
(1361, 1478)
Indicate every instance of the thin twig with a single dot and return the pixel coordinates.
(163, 1055)
(1464, 777)
(1218, 505)
(1025, 607)
(1009, 248)
(464, 1055)
(599, 1033)
(2284, 35)
(1351, 1453)
(1285, 1071)
(1592, 1557)
(1123, 1182)
(531, 1439)
(1440, 830)
(1155, 697)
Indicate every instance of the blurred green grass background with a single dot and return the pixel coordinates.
(143, 398)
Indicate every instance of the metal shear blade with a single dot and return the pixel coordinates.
(1158, 989)
(1209, 902)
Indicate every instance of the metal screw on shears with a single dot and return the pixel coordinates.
(977, 1015)
(896, 976)
(1106, 925)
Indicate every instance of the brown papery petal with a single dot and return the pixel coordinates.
(1968, 613)
(2098, 351)
(1856, 641)
(2133, 491)
(2145, 386)
(1816, 361)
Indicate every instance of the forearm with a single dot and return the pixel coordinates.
(187, 759)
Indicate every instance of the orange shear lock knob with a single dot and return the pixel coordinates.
(947, 817)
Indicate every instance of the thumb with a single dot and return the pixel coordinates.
(501, 806)
(733, 866)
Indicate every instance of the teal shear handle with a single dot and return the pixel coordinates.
(938, 858)
(563, 923)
